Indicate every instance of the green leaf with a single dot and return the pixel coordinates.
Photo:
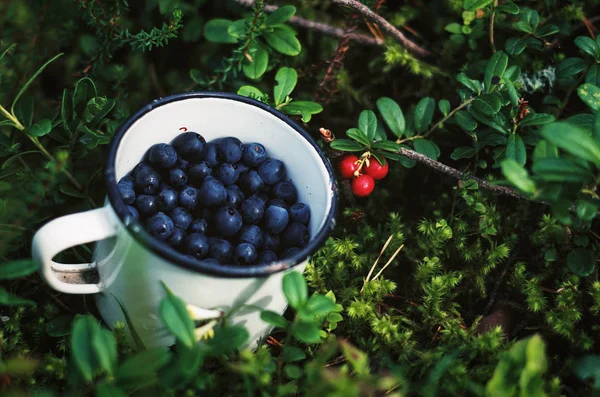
(515, 46)
(346, 145)
(547, 30)
(515, 149)
(544, 150)
(7, 50)
(581, 261)
(295, 289)
(41, 128)
(8, 299)
(463, 152)
(590, 95)
(176, 318)
(531, 17)
(182, 368)
(474, 5)
(250, 91)
(216, 31)
(525, 27)
(586, 210)
(306, 332)
(465, 120)
(141, 370)
(508, 7)
(293, 354)
(386, 145)
(84, 357)
(444, 106)
(358, 135)
(227, 339)
(473, 85)
(273, 319)
(304, 108)
(109, 390)
(283, 40)
(104, 345)
(134, 334)
(424, 114)
(237, 29)
(286, 78)
(24, 111)
(367, 123)
(518, 176)
(588, 45)
(19, 366)
(427, 148)
(293, 371)
(512, 73)
(30, 81)
(281, 15)
(512, 92)
(573, 140)
(570, 67)
(60, 325)
(17, 269)
(560, 170)
(495, 68)
(596, 127)
(536, 119)
(492, 121)
(593, 75)
(318, 305)
(392, 115)
(487, 104)
(583, 120)
(588, 367)
(454, 27)
(258, 66)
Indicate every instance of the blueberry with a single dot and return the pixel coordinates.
(135, 215)
(205, 213)
(177, 237)
(182, 164)
(210, 261)
(199, 172)
(127, 193)
(251, 234)
(147, 181)
(230, 149)
(289, 252)
(188, 197)
(198, 226)
(178, 177)
(128, 180)
(300, 212)
(146, 204)
(286, 191)
(278, 203)
(276, 219)
(181, 217)
(271, 242)
(162, 155)
(221, 250)
(234, 196)
(190, 146)
(296, 235)
(272, 171)
(252, 210)
(228, 173)
(244, 254)
(196, 244)
(210, 156)
(254, 154)
(167, 198)
(160, 226)
(251, 182)
(266, 256)
(212, 192)
(228, 221)
(143, 166)
(262, 197)
(242, 168)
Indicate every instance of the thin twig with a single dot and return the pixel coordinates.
(492, 18)
(384, 24)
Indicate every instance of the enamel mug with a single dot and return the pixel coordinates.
(129, 264)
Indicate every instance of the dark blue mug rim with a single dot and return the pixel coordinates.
(163, 250)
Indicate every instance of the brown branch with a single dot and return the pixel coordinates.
(320, 26)
(384, 24)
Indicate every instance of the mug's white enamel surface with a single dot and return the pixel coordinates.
(131, 273)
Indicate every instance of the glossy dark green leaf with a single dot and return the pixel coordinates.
(525, 27)
(293, 354)
(386, 145)
(41, 128)
(588, 45)
(303, 108)
(581, 261)
(237, 29)
(495, 68)
(227, 340)
(596, 127)
(295, 289)
(588, 367)
(176, 318)
(583, 120)
(392, 115)
(60, 325)
(512, 73)
(286, 79)
(508, 7)
(82, 351)
(84, 91)
(141, 370)
(544, 150)
(572, 140)
(250, 91)
(256, 68)
(306, 332)
(367, 123)
(109, 390)
(273, 319)
(473, 5)
(547, 30)
(515, 149)
(346, 145)
(24, 110)
(216, 30)
(104, 346)
(515, 46)
(593, 75)
(358, 135)
(536, 119)
(518, 176)
(473, 85)
(17, 268)
(182, 368)
(570, 67)
(487, 104)
(531, 17)
(590, 95)
(586, 210)
(8, 299)
(453, 28)
(465, 120)
(463, 152)
(444, 106)
(283, 40)
(427, 147)
(424, 114)
(560, 170)
(512, 93)
(281, 15)
(492, 121)
(318, 305)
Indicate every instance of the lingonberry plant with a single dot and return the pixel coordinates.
(465, 137)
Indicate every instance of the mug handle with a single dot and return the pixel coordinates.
(66, 232)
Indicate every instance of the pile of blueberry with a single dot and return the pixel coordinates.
(221, 202)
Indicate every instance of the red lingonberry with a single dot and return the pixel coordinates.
(376, 170)
(348, 165)
(363, 185)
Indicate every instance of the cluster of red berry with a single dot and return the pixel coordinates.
(363, 172)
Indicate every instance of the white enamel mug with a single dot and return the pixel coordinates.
(129, 264)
